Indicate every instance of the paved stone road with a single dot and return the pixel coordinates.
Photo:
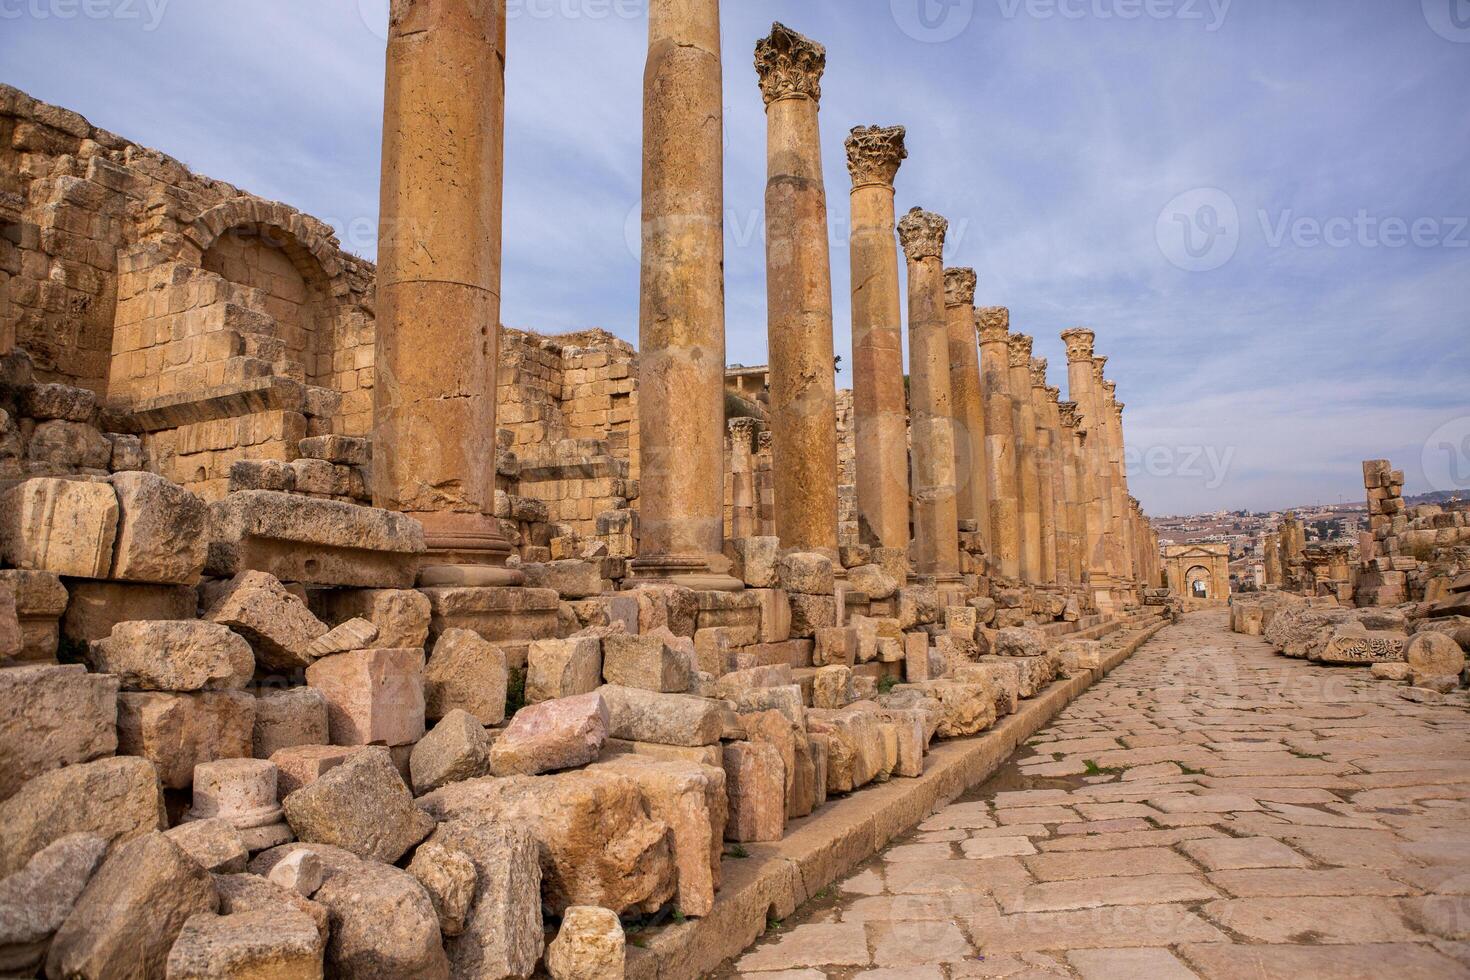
(1210, 809)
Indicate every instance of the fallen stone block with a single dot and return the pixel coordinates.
(855, 743)
(282, 944)
(502, 934)
(774, 728)
(571, 578)
(692, 800)
(12, 641)
(214, 844)
(361, 806)
(354, 634)
(563, 668)
(131, 912)
(1033, 673)
(448, 876)
(755, 783)
(176, 732)
(874, 581)
(466, 673)
(46, 401)
(1352, 644)
(161, 531)
(373, 696)
(96, 607)
(836, 647)
(40, 600)
(1015, 641)
(1078, 655)
(806, 573)
(810, 613)
(300, 872)
(668, 719)
(383, 925)
(707, 755)
(53, 716)
(786, 699)
(401, 616)
(501, 616)
(737, 682)
(560, 734)
(754, 560)
(648, 662)
(456, 748)
(62, 526)
(277, 623)
(302, 765)
(590, 945)
(289, 717)
(249, 892)
(969, 708)
(244, 793)
(315, 541)
(115, 799)
(1431, 654)
(1004, 677)
(179, 655)
(36, 900)
(832, 688)
(598, 844)
(1398, 672)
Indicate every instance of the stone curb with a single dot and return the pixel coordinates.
(779, 877)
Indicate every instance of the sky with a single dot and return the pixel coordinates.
(1260, 206)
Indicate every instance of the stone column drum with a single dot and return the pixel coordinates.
(681, 316)
(1117, 476)
(1076, 492)
(972, 501)
(1046, 473)
(798, 294)
(1052, 422)
(438, 293)
(936, 520)
(880, 411)
(1080, 386)
(1001, 470)
(1027, 468)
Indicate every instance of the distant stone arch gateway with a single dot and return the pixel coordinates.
(1200, 573)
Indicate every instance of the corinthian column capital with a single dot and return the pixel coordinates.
(790, 65)
(993, 324)
(1069, 413)
(1053, 393)
(1038, 372)
(1111, 389)
(1079, 341)
(959, 287)
(1020, 350)
(874, 154)
(922, 234)
(1098, 365)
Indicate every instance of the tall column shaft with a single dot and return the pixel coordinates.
(681, 316)
(438, 293)
(880, 410)
(1119, 474)
(1046, 470)
(798, 295)
(1001, 469)
(1027, 464)
(1052, 422)
(1093, 461)
(936, 518)
(1075, 493)
(971, 500)
(1117, 539)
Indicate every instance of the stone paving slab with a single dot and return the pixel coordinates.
(1209, 809)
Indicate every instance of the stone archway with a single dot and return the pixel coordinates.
(1197, 582)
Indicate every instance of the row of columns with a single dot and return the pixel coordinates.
(978, 440)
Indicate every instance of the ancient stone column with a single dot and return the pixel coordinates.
(936, 520)
(1001, 470)
(971, 499)
(1051, 423)
(744, 500)
(1042, 445)
(1080, 386)
(438, 288)
(1113, 420)
(681, 321)
(880, 410)
(1076, 494)
(1271, 552)
(1027, 467)
(798, 294)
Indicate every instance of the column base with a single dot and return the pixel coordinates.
(690, 572)
(465, 550)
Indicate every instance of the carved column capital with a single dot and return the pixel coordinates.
(1038, 372)
(1098, 365)
(959, 287)
(874, 154)
(1054, 393)
(789, 65)
(1020, 350)
(1079, 341)
(993, 324)
(1111, 389)
(922, 234)
(1069, 413)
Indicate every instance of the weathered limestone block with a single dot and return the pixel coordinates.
(873, 580)
(837, 646)
(571, 578)
(160, 531)
(910, 726)
(690, 798)
(984, 607)
(36, 900)
(40, 599)
(918, 605)
(448, 876)
(1397, 672)
(302, 765)
(400, 615)
(373, 696)
(53, 716)
(1004, 676)
(671, 606)
(214, 844)
(755, 783)
(59, 446)
(647, 661)
(502, 935)
(961, 620)
(590, 945)
(131, 912)
(243, 792)
(1433, 655)
(832, 687)
(737, 682)
(786, 699)
(179, 655)
(775, 610)
(954, 651)
(667, 719)
(968, 708)
(857, 746)
(12, 640)
(806, 573)
(563, 668)
(282, 944)
(598, 844)
(1034, 672)
(774, 728)
(276, 622)
(57, 401)
(1352, 644)
(176, 732)
(1297, 631)
(456, 748)
(754, 560)
(320, 542)
(289, 717)
(1080, 655)
(1014, 641)
(96, 607)
(61, 526)
(249, 892)
(361, 806)
(354, 634)
(383, 925)
(499, 615)
(465, 672)
(300, 872)
(810, 613)
(921, 661)
(558, 734)
(115, 799)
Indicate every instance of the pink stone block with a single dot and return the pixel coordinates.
(373, 696)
